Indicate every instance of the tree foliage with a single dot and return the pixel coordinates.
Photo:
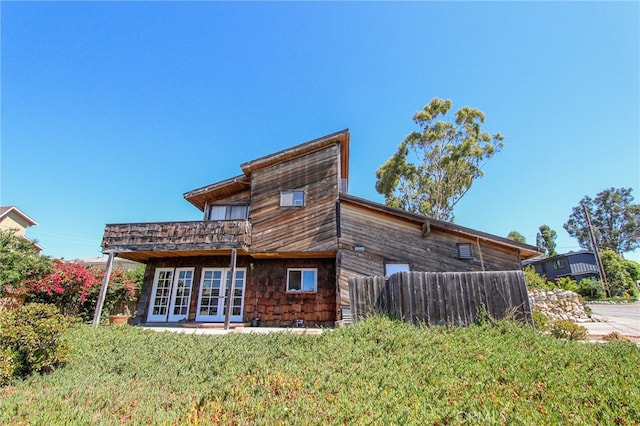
(615, 220)
(621, 282)
(67, 286)
(516, 236)
(546, 240)
(433, 168)
(20, 260)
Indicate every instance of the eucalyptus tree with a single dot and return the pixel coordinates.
(435, 166)
(546, 240)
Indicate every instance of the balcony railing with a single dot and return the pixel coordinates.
(178, 236)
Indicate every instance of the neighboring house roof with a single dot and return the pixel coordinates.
(13, 210)
(541, 260)
(13, 218)
(198, 197)
(102, 262)
(526, 251)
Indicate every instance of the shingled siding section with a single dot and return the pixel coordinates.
(265, 294)
(177, 235)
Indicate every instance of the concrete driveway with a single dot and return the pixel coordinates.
(621, 317)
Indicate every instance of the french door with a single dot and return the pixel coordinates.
(170, 295)
(212, 304)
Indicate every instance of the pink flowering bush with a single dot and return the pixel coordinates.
(74, 288)
(68, 286)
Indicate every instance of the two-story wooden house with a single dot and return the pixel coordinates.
(299, 237)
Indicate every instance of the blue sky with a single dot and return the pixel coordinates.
(112, 110)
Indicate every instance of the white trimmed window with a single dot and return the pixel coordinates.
(464, 251)
(228, 212)
(302, 279)
(292, 198)
(391, 268)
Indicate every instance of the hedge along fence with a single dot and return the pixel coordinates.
(441, 298)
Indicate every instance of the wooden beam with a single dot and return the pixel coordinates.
(480, 253)
(231, 289)
(426, 228)
(103, 289)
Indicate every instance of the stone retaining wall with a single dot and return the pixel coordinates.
(558, 304)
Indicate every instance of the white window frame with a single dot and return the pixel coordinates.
(303, 288)
(294, 198)
(391, 268)
(227, 213)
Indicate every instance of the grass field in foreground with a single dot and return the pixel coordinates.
(376, 372)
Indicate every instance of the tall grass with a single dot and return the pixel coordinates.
(375, 372)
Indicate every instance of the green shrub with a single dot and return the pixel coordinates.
(565, 329)
(30, 338)
(591, 289)
(567, 283)
(540, 320)
(537, 281)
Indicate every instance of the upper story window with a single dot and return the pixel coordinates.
(228, 212)
(464, 251)
(558, 264)
(292, 198)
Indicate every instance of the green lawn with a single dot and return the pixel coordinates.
(376, 372)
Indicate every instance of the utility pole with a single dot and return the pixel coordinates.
(594, 245)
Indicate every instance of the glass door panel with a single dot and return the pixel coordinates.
(212, 299)
(211, 291)
(181, 296)
(160, 295)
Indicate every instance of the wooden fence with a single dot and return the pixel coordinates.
(441, 298)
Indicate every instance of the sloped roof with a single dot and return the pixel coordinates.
(342, 137)
(526, 250)
(5, 211)
(198, 197)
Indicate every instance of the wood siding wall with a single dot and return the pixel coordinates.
(243, 197)
(265, 292)
(311, 228)
(388, 239)
(441, 298)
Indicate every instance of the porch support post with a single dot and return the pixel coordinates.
(103, 290)
(231, 289)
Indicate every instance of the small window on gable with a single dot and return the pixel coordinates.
(393, 267)
(292, 198)
(464, 251)
(302, 279)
